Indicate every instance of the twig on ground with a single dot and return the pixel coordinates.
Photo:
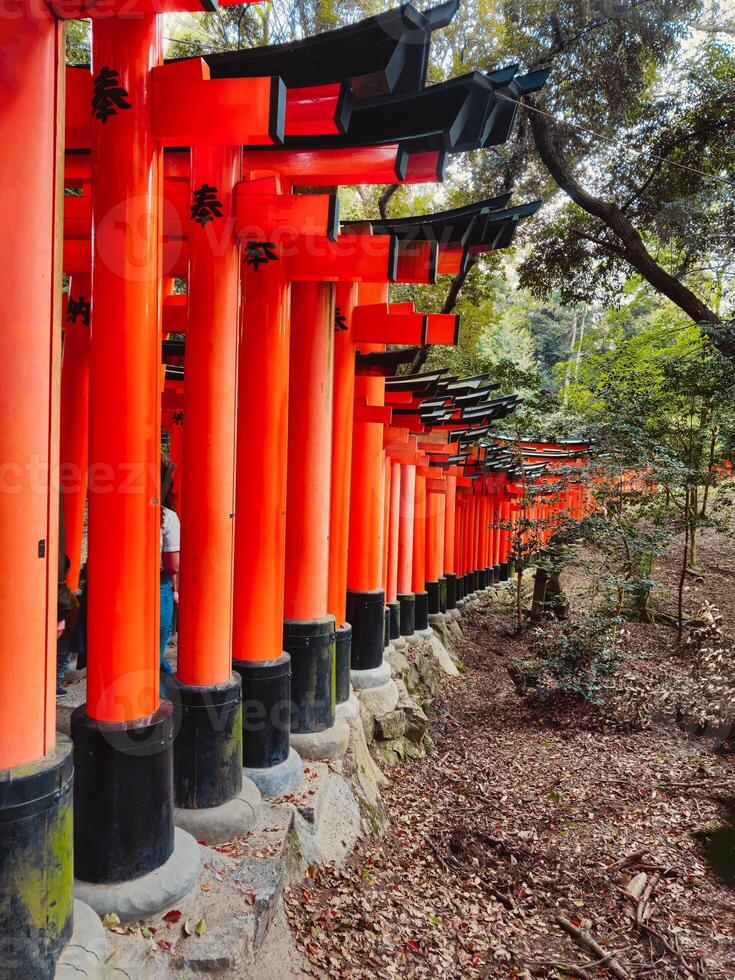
(587, 943)
(558, 964)
(698, 972)
(626, 862)
(642, 910)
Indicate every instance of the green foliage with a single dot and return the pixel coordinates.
(575, 658)
(658, 128)
(628, 536)
(78, 42)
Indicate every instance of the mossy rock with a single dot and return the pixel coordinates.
(375, 816)
(368, 724)
(391, 725)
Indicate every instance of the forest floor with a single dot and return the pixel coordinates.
(530, 813)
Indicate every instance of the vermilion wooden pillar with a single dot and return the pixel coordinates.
(385, 525)
(479, 534)
(30, 342)
(123, 798)
(260, 514)
(394, 516)
(496, 533)
(469, 584)
(471, 539)
(469, 510)
(505, 536)
(475, 539)
(434, 531)
(208, 750)
(365, 597)
(469, 520)
(207, 531)
(405, 593)
(458, 542)
(35, 800)
(340, 484)
(484, 539)
(418, 575)
(384, 535)
(490, 533)
(124, 515)
(440, 549)
(450, 530)
(74, 443)
(176, 452)
(309, 630)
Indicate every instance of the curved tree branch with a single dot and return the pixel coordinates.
(629, 245)
(384, 199)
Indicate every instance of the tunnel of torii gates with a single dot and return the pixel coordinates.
(328, 505)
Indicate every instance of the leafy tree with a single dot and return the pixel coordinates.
(646, 169)
(633, 126)
(661, 402)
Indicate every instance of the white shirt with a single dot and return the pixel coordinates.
(170, 531)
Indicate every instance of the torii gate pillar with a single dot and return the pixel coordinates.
(309, 633)
(340, 486)
(365, 595)
(434, 547)
(208, 750)
(35, 764)
(73, 454)
(419, 554)
(123, 736)
(450, 519)
(260, 528)
(405, 595)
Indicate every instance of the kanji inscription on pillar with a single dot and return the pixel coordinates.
(77, 308)
(108, 95)
(260, 253)
(340, 320)
(205, 205)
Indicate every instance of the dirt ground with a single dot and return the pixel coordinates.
(529, 814)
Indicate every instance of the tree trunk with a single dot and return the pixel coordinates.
(693, 533)
(683, 572)
(384, 199)
(581, 341)
(710, 470)
(519, 596)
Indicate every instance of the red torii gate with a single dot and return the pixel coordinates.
(125, 720)
(35, 787)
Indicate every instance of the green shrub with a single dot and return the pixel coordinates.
(577, 657)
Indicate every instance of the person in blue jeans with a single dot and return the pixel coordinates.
(170, 548)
